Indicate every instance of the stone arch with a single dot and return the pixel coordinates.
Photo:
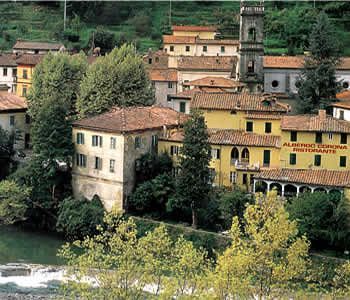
(276, 186)
(320, 189)
(234, 155)
(245, 156)
(305, 189)
(260, 186)
(290, 190)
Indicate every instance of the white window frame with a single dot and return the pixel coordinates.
(112, 165)
(113, 143)
(233, 177)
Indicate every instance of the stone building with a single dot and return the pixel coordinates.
(251, 45)
(107, 146)
(30, 47)
(13, 118)
(281, 73)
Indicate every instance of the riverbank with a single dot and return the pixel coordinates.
(17, 296)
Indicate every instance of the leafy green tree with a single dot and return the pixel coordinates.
(193, 183)
(267, 258)
(117, 79)
(151, 196)
(233, 204)
(78, 218)
(324, 218)
(128, 267)
(51, 105)
(57, 78)
(102, 38)
(150, 165)
(317, 84)
(13, 202)
(7, 151)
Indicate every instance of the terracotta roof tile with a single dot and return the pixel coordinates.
(212, 81)
(9, 102)
(190, 93)
(172, 39)
(233, 137)
(193, 28)
(163, 75)
(29, 59)
(312, 177)
(344, 95)
(235, 101)
(217, 42)
(27, 45)
(132, 119)
(314, 123)
(225, 63)
(284, 62)
(8, 60)
(297, 62)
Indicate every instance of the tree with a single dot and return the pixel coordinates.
(127, 267)
(102, 38)
(151, 196)
(150, 165)
(51, 107)
(78, 218)
(193, 183)
(233, 204)
(7, 151)
(267, 257)
(323, 218)
(13, 202)
(317, 84)
(57, 78)
(117, 79)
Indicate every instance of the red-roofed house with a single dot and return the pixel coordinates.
(108, 145)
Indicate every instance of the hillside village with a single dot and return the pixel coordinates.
(243, 94)
(258, 140)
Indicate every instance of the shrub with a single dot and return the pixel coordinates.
(103, 39)
(324, 218)
(79, 218)
(151, 196)
(233, 204)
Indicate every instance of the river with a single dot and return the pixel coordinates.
(28, 262)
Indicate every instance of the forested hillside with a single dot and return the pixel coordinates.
(287, 24)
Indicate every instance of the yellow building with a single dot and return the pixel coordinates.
(244, 132)
(198, 41)
(256, 146)
(25, 68)
(108, 145)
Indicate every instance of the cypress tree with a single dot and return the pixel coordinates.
(317, 84)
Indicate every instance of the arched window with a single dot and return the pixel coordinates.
(252, 34)
(251, 66)
(234, 155)
(245, 155)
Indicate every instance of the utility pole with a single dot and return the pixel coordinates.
(64, 15)
(170, 13)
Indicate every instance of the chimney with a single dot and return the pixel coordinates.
(322, 114)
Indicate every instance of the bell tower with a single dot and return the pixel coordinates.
(251, 45)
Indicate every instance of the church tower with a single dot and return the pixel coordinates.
(251, 45)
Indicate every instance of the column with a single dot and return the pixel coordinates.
(312, 189)
(283, 185)
(268, 185)
(298, 190)
(254, 181)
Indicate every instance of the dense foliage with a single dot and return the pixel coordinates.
(266, 259)
(193, 183)
(51, 106)
(117, 79)
(13, 202)
(78, 218)
(317, 84)
(7, 151)
(152, 196)
(323, 218)
(150, 165)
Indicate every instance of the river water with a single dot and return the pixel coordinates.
(28, 262)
